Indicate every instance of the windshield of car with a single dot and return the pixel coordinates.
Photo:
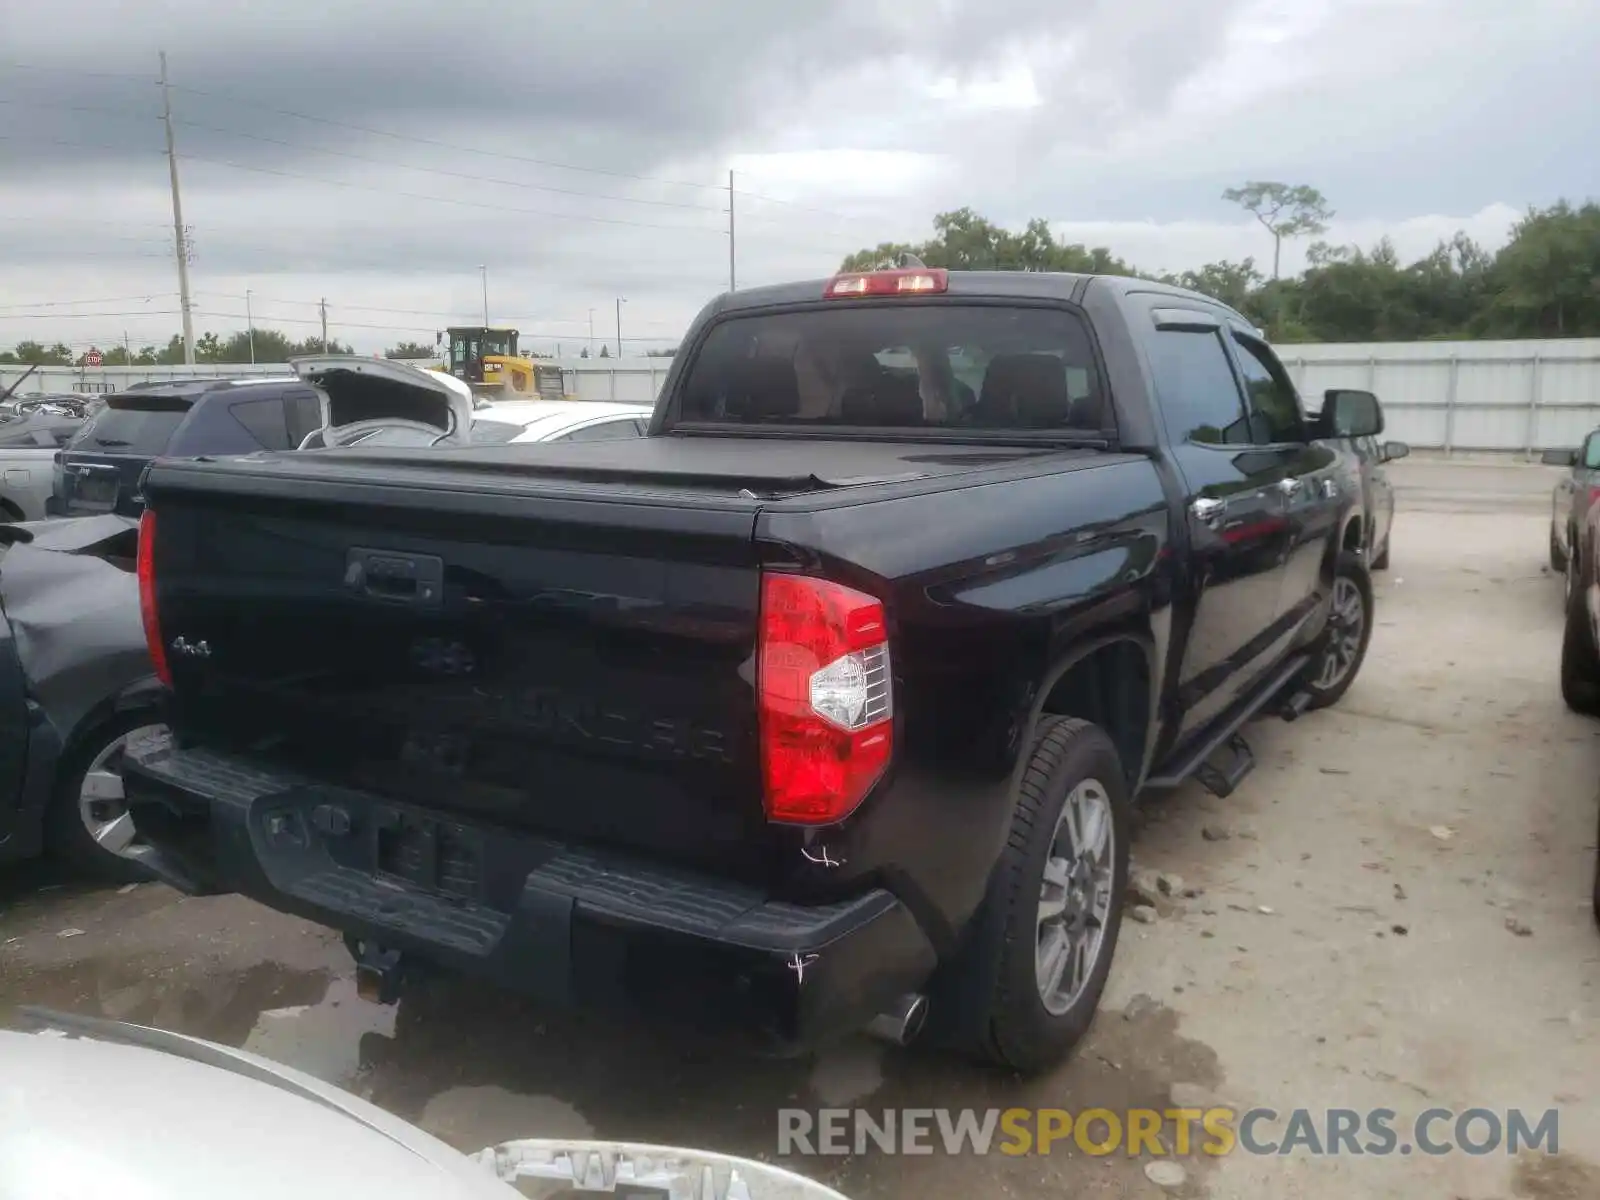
(923, 366)
(491, 433)
(131, 429)
(398, 435)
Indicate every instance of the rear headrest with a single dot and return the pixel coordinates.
(764, 387)
(888, 400)
(1026, 391)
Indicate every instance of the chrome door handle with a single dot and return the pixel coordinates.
(1208, 511)
(1289, 486)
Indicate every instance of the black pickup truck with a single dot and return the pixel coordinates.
(822, 706)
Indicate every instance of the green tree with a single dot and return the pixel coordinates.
(964, 241)
(1232, 283)
(1546, 281)
(37, 352)
(410, 350)
(1284, 210)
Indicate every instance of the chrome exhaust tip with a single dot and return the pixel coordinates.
(902, 1022)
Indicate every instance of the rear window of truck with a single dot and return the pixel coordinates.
(922, 366)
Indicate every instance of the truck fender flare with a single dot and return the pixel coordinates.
(1058, 670)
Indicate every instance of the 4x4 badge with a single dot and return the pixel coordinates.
(200, 649)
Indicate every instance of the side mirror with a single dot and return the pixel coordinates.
(1347, 413)
(1394, 450)
(1559, 458)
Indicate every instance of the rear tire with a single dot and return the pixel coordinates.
(1343, 646)
(1580, 660)
(1034, 927)
(90, 775)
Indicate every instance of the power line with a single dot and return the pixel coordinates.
(55, 106)
(16, 66)
(412, 312)
(541, 335)
(439, 143)
(148, 296)
(73, 145)
(529, 212)
(384, 162)
(81, 316)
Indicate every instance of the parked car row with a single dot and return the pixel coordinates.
(822, 706)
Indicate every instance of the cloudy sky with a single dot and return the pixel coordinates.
(375, 153)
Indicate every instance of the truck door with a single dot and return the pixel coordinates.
(1317, 488)
(1235, 510)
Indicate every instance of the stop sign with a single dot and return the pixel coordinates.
(92, 359)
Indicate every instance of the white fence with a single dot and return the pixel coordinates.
(1465, 395)
(1517, 396)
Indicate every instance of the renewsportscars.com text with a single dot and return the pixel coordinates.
(1155, 1132)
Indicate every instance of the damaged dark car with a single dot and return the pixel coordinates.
(75, 684)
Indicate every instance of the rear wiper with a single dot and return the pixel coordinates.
(100, 441)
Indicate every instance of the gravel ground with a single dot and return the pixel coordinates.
(1392, 912)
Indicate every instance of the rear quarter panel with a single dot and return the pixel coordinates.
(987, 590)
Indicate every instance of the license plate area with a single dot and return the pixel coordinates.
(94, 488)
(438, 857)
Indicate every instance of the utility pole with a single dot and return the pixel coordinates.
(483, 270)
(179, 237)
(323, 306)
(730, 232)
(591, 333)
(250, 324)
(127, 349)
(621, 300)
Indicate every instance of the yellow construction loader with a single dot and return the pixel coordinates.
(486, 360)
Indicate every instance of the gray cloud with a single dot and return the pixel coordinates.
(1130, 110)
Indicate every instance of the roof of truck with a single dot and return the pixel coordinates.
(1057, 285)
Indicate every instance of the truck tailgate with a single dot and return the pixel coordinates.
(580, 663)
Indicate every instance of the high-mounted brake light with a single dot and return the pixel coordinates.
(904, 281)
(146, 570)
(826, 705)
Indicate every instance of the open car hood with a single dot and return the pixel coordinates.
(372, 392)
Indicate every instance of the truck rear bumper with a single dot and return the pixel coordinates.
(567, 924)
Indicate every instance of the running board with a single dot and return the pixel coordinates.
(1195, 764)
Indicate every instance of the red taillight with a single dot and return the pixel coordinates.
(147, 597)
(904, 281)
(826, 704)
(1594, 494)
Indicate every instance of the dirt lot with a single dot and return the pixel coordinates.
(1393, 912)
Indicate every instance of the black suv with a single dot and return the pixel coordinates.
(99, 469)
